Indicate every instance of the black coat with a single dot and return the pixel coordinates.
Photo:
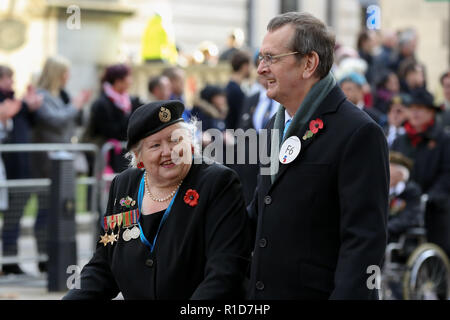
(248, 172)
(323, 221)
(17, 164)
(202, 252)
(235, 99)
(107, 121)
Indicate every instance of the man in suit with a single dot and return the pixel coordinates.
(320, 208)
(240, 65)
(257, 110)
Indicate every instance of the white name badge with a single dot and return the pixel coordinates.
(290, 149)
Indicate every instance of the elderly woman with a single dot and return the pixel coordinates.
(175, 227)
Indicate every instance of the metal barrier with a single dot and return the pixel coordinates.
(24, 189)
(107, 175)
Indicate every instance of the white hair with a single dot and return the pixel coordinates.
(134, 154)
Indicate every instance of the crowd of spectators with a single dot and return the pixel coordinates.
(381, 75)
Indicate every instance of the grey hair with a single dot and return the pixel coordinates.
(134, 154)
(311, 34)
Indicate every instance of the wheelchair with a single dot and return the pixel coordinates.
(415, 269)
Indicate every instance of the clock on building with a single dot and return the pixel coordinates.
(12, 34)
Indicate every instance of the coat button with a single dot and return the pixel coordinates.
(267, 200)
(149, 263)
(262, 242)
(259, 285)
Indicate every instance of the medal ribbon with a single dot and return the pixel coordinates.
(126, 219)
(112, 222)
(105, 224)
(144, 240)
(119, 219)
(129, 218)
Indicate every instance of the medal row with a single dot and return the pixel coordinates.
(127, 220)
(127, 235)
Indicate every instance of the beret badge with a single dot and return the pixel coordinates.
(164, 114)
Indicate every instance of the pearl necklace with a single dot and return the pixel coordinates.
(170, 196)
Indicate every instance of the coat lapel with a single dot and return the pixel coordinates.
(328, 105)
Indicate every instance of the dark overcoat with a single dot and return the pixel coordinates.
(202, 251)
(323, 222)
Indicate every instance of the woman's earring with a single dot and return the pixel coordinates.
(140, 165)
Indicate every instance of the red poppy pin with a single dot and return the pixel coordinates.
(314, 127)
(191, 197)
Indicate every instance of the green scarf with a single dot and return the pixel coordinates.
(304, 113)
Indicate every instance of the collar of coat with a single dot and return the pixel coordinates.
(304, 114)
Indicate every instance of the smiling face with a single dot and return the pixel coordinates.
(283, 76)
(158, 153)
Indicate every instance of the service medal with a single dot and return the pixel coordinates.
(104, 239)
(112, 238)
(135, 232)
(126, 235)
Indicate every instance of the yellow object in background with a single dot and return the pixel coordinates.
(156, 43)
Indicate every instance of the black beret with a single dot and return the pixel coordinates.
(424, 98)
(151, 118)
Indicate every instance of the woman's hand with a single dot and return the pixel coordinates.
(82, 98)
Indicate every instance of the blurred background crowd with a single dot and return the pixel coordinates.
(63, 82)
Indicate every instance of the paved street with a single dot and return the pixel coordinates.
(33, 285)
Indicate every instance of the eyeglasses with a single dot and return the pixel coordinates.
(269, 59)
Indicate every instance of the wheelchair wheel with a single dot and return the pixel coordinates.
(427, 275)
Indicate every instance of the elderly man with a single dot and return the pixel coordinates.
(320, 208)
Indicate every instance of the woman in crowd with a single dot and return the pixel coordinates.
(387, 86)
(54, 122)
(175, 227)
(110, 113)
